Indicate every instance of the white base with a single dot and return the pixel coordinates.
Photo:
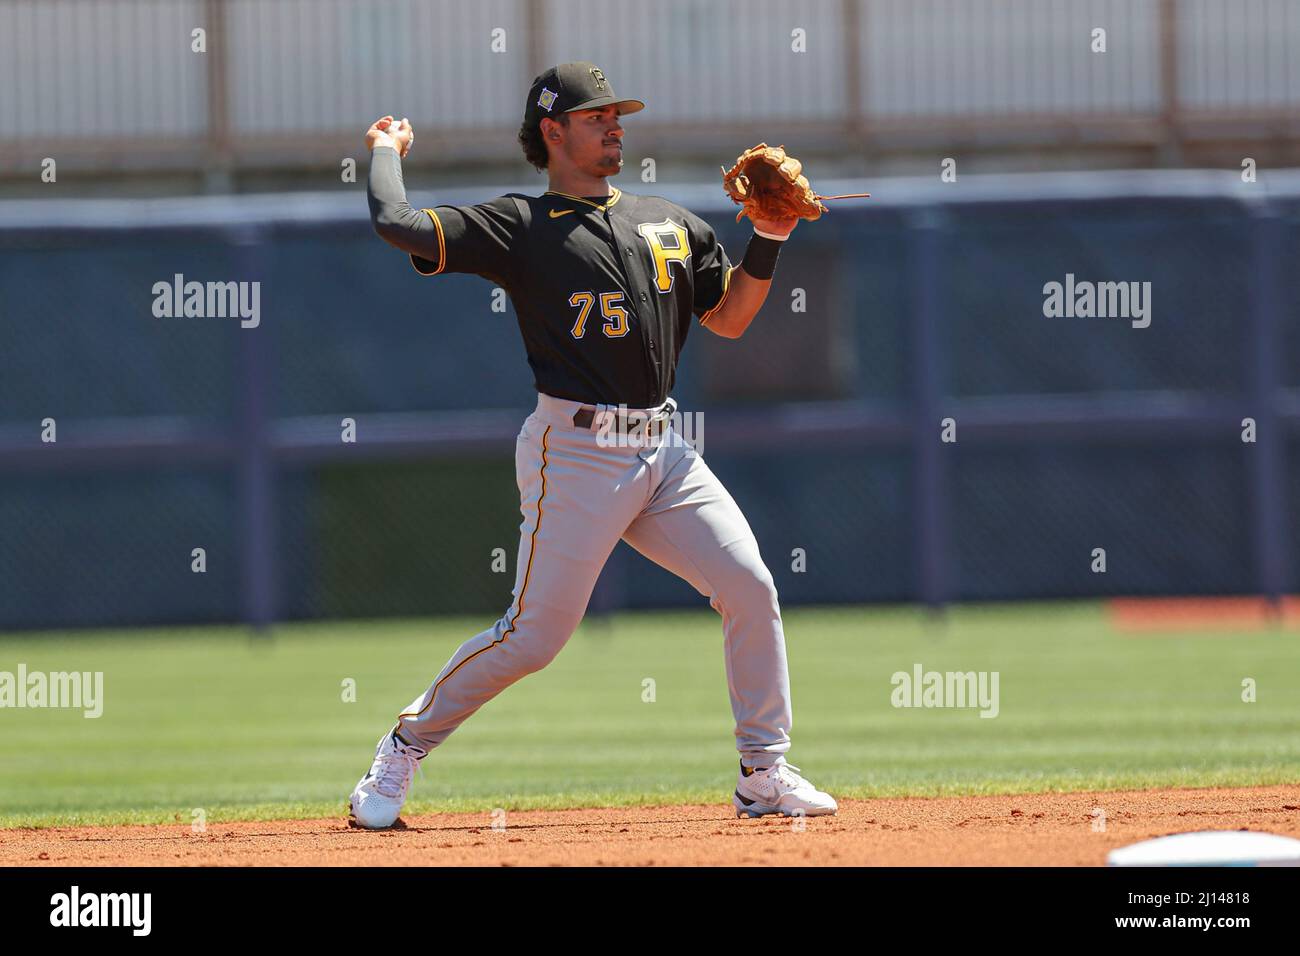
(1210, 848)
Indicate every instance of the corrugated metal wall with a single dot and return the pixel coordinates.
(88, 69)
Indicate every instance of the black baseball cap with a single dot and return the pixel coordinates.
(569, 87)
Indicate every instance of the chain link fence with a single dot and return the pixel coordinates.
(919, 312)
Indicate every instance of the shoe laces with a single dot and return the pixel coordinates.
(786, 773)
(395, 772)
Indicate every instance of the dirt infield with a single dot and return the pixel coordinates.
(1032, 830)
(1182, 614)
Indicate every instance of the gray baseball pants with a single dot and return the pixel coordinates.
(580, 492)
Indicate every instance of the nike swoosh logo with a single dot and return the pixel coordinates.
(562, 212)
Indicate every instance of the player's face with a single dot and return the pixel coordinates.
(593, 141)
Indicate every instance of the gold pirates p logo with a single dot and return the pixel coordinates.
(668, 243)
(599, 77)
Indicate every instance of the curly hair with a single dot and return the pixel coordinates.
(530, 138)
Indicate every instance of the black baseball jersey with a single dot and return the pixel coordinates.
(604, 288)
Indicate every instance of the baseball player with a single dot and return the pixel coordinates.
(605, 284)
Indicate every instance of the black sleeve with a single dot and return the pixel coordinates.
(478, 239)
(712, 269)
(394, 220)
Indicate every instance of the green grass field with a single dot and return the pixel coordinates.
(257, 728)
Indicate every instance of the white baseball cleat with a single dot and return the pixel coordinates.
(779, 789)
(379, 795)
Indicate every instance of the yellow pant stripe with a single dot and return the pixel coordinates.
(532, 550)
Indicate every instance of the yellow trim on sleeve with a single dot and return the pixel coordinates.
(442, 245)
(726, 287)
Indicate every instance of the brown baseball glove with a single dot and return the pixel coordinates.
(769, 185)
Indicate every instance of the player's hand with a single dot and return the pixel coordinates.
(387, 131)
(777, 227)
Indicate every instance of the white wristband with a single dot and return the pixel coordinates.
(768, 235)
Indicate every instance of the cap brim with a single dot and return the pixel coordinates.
(624, 106)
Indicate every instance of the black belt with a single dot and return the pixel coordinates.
(585, 417)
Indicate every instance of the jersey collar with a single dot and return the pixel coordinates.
(614, 197)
